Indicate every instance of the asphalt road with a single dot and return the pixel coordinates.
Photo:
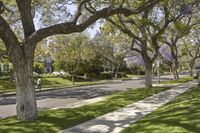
(63, 97)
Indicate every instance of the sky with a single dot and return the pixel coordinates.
(92, 30)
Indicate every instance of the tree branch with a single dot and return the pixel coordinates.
(7, 35)
(79, 9)
(71, 27)
(26, 16)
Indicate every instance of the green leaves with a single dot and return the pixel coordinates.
(182, 28)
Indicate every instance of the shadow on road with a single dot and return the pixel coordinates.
(79, 93)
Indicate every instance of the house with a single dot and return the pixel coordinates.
(47, 61)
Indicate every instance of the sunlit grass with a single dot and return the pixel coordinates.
(181, 115)
(179, 81)
(47, 83)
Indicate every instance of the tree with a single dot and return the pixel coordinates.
(192, 46)
(174, 35)
(112, 50)
(145, 30)
(21, 51)
(70, 52)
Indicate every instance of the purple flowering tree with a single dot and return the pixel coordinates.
(192, 46)
(145, 30)
(174, 35)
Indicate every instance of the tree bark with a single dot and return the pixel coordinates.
(191, 68)
(175, 73)
(148, 75)
(73, 81)
(25, 95)
(175, 70)
(116, 72)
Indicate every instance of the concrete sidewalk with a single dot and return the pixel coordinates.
(116, 121)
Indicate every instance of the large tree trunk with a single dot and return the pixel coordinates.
(73, 79)
(191, 68)
(26, 101)
(175, 70)
(191, 71)
(116, 72)
(148, 75)
(25, 94)
(175, 73)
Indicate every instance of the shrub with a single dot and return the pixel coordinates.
(76, 78)
(106, 75)
(38, 67)
(4, 73)
(121, 75)
(93, 75)
(141, 72)
(4, 77)
(7, 84)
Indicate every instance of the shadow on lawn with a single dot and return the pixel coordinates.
(181, 115)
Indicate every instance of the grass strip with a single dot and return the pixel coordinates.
(181, 115)
(47, 83)
(184, 79)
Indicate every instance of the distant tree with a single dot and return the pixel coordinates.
(145, 30)
(70, 52)
(113, 51)
(192, 46)
(175, 34)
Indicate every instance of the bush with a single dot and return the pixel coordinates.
(106, 75)
(121, 75)
(38, 67)
(76, 78)
(141, 72)
(5, 77)
(4, 73)
(7, 84)
(92, 75)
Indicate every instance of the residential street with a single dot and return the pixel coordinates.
(69, 96)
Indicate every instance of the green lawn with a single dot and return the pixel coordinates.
(130, 76)
(9, 86)
(60, 82)
(6, 85)
(134, 76)
(179, 81)
(54, 120)
(181, 115)
(53, 82)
